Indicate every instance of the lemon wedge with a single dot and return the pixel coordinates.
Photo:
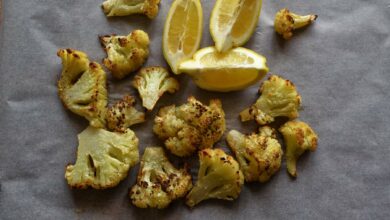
(223, 72)
(233, 22)
(182, 32)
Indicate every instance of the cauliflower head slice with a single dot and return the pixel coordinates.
(123, 114)
(128, 7)
(190, 126)
(279, 97)
(125, 54)
(158, 181)
(298, 137)
(259, 155)
(103, 158)
(219, 177)
(152, 83)
(82, 86)
(286, 22)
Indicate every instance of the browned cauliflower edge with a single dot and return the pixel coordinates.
(190, 126)
(129, 7)
(82, 86)
(298, 137)
(158, 181)
(152, 83)
(279, 97)
(259, 155)
(286, 22)
(103, 158)
(219, 177)
(125, 54)
(123, 114)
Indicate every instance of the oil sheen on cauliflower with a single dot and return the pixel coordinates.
(103, 158)
(126, 54)
(219, 177)
(82, 86)
(123, 114)
(298, 137)
(279, 97)
(128, 7)
(259, 155)
(190, 126)
(286, 22)
(158, 181)
(152, 83)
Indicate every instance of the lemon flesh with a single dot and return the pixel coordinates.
(182, 32)
(233, 22)
(223, 72)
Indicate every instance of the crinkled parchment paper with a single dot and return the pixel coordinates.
(340, 65)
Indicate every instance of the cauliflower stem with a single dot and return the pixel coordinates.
(286, 22)
(158, 181)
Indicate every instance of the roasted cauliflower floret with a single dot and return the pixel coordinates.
(128, 7)
(286, 22)
(82, 86)
(190, 126)
(259, 155)
(158, 181)
(103, 158)
(219, 177)
(126, 54)
(298, 137)
(279, 97)
(152, 83)
(123, 114)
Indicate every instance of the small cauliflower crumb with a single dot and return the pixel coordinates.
(126, 54)
(152, 83)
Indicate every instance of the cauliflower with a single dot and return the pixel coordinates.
(190, 126)
(126, 54)
(278, 98)
(219, 177)
(128, 7)
(123, 115)
(298, 137)
(259, 155)
(158, 181)
(103, 158)
(152, 83)
(82, 86)
(286, 22)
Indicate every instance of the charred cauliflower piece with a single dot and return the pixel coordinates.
(152, 83)
(123, 114)
(190, 126)
(126, 54)
(128, 7)
(82, 86)
(279, 97)
(259, 155)
(158, 181)
(286, 22)
(298, 137)
(219, 177)
(103, 158)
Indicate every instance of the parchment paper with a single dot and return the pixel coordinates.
(340, 66)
